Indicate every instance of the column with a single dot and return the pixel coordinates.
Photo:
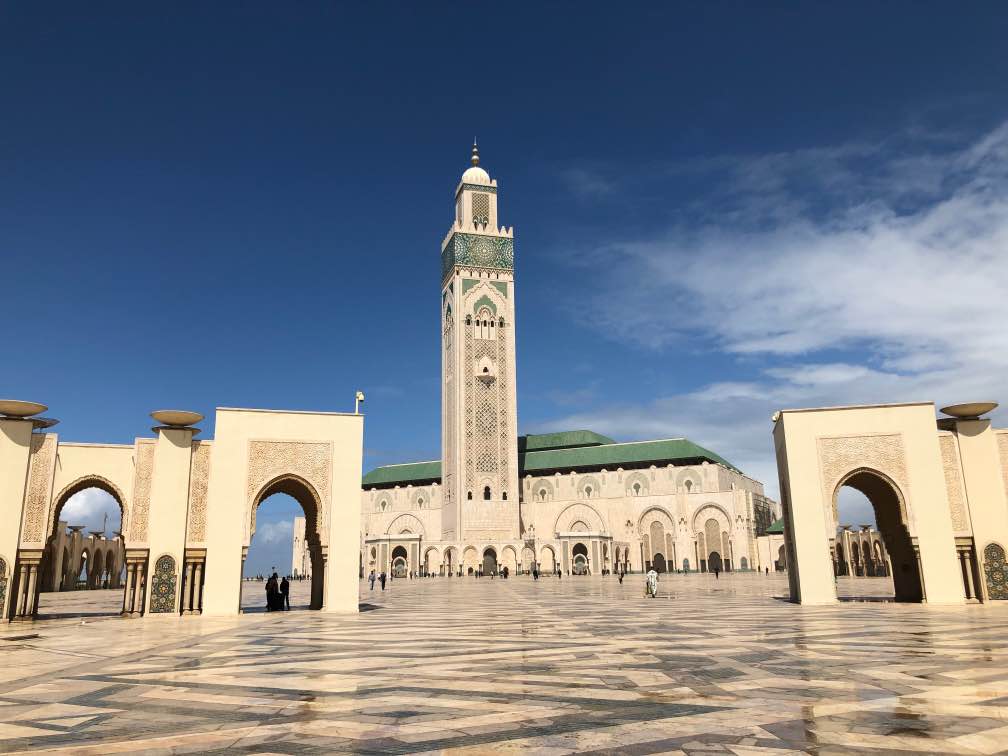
(22, 598)
(138, 580)
(128, 593)
(972, 589)
(197, 602)
(32, 593)
(187, 588)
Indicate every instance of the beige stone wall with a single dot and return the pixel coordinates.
(619, 505)
(819, 448)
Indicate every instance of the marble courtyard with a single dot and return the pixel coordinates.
(578, 665)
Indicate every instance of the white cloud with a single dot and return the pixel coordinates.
(274, 532)
(88, 508)
(893, 258)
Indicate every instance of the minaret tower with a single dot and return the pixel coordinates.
(479, 420)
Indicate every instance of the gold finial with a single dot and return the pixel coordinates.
(475, 155)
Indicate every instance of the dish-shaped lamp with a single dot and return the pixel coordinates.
(17, 408)
(176, 418)
(969, 410)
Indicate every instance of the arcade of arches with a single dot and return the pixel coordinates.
(184, 532)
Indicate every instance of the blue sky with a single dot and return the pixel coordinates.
(720, 210)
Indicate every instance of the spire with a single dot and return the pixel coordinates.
(475, 154)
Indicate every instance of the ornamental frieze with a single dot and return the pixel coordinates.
(839, 456)
(140, 509)
(199, 478)
(39, 493)
(954, 484)
(309, 460)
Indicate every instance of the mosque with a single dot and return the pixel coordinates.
(576, 501)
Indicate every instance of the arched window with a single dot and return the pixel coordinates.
(383, 505)
(542, 494)
(689, 485)
(486, 493)
(469, 495)
(504, 496)
(420, 503)
(636, 489)
(588, 492)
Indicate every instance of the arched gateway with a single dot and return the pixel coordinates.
(188, 505)
(937, 488)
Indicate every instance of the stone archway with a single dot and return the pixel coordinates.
(66, 555)
(489, 561)
(890, 513)
(305, 494)
(400, 562)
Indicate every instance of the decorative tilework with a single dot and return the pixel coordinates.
(478, 251)
(163, 582)
(479, 188)
(996, 572)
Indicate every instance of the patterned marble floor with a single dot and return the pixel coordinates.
(476, 666)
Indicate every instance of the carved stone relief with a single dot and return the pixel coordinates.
(1002, 439)
(310, 460)
(841, 455)
(140, 509)
(40, 479)
(199, 478)
(953, 484)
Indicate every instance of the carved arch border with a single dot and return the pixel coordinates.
(472, 297)
(313, 535)
(710, 505)
(600, 520)
(900, 497)
(83, 483)
(407, 517)
(670, 526)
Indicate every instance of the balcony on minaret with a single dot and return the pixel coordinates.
(486, 372)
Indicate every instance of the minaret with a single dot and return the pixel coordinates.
(479, 421)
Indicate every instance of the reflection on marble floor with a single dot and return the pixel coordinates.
(464, 665)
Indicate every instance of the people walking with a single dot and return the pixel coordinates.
(651, 583)
(381, 579)
(371, 577)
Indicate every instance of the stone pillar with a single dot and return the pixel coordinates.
(128, 593)
(186, 600)
(197, 601)
(138, 587)
(32, 589)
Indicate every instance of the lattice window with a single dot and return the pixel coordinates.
(481, 209)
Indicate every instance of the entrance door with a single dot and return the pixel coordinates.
(659, 563)
(489, 562)
(714, 562)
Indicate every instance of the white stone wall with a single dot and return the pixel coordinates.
(614, 513)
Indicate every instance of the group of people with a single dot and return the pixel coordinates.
(277, 594)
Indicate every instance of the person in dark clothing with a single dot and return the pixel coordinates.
(285, 595)
(272, 591)
(381, 579)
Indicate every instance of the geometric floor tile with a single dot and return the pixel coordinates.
(460, 665)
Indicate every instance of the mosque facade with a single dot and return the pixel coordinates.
(575, 501)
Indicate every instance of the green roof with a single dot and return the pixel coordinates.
(564, 440)
(610, 456)
(414, 473)
(776, 528)
(562, 452)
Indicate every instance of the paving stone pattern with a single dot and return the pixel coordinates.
(475, 666)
